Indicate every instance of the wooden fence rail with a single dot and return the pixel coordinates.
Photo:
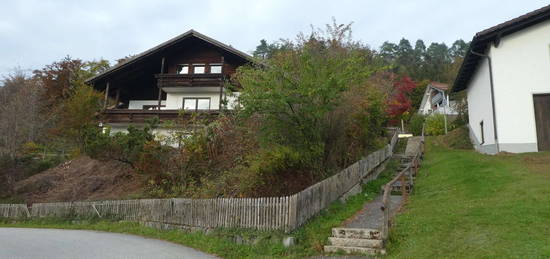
(406, 179)
(269, 213)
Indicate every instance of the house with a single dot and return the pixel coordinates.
(506, 74)
(436, 100)
(188, 73)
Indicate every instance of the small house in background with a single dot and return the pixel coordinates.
(187, 73)
(506, 75)
(436, 100)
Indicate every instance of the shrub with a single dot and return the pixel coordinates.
(152, 158)
(318, 101)
(125, 147)
(435, 125)
(79, 112)
(416, 123)
(273, 171)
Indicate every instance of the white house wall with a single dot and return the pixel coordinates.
(480, 109)
(521, 68)
(174, 101)
(162, 134)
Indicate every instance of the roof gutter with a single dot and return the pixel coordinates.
(492, 94)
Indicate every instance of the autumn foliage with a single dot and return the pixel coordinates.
(400, 102)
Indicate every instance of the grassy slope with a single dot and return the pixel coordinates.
(469, 205)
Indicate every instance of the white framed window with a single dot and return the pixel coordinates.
(183, 69)
(189, 104)
(203, 104)
(215, 69)
(199, 69)
(194, 104)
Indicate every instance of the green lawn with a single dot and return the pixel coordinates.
(469, 205)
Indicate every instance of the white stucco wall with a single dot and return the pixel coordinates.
(479, 104)
(162, 134)
(174, 100)
(521, 68)
(425, 105)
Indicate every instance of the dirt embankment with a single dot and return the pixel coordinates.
(80, 179)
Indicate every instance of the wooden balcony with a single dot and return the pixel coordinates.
(140, 116)
(188, 80)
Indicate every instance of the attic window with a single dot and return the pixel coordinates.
(215, 69)
(183, 69)
(198, 68)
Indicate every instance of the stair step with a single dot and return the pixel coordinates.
(363, 233)
(355, 242)
(351, 249)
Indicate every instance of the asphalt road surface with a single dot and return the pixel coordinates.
(56, 243)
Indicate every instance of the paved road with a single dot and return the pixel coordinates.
(55, 243)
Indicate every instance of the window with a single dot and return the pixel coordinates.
(198, 69)
(183, 69)
(203, 104)
(196, 103)
(189, 104)
(482, 133)
(215, 69)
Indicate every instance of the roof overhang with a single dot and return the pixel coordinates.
(483, 40)
(189, 34)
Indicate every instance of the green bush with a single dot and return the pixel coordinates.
(416, 123)
(435, 125)
(269, 171)
(125, 147)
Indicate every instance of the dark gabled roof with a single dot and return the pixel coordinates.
(167, 44)
(440, 86)
(482, 40)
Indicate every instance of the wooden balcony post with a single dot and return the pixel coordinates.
(221, 88)
(106, 96)
(160, 86)
(117, 98)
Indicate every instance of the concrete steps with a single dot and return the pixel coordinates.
(356, 241)
(354, 250)
(362, 233)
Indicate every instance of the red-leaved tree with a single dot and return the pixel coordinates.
(400, 102)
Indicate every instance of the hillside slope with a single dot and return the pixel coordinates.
(469, 205)
(83, 178)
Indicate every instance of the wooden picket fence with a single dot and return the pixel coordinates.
(13, 211)
(269, 213)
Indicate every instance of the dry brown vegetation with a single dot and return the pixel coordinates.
(83, 178)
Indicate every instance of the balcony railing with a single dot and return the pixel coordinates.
(188, 80)
(140, 116)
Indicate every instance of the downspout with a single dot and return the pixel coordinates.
(492, 95)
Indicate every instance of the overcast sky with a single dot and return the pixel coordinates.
(36, 33)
